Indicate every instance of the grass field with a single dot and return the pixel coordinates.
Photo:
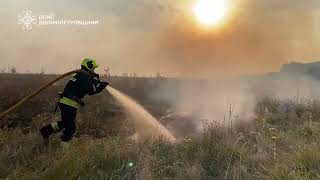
(280, 142)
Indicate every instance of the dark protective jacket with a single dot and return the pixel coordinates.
(83, 83)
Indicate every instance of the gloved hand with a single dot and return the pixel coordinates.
(104, 84)
(101, 86)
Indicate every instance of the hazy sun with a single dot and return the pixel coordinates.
(210, 12)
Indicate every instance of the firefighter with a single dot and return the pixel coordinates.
(85, 82)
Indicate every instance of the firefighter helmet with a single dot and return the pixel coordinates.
(89, 64)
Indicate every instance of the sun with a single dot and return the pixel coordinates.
(210, 12)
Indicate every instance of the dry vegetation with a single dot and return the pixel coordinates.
(280, 143)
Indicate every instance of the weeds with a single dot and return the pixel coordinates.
(281, 143)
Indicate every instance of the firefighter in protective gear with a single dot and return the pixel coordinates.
(85, 82)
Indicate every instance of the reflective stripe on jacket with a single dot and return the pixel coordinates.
(69, 102)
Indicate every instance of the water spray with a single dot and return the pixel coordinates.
(147, 126)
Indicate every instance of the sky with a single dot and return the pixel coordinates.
(150, 36)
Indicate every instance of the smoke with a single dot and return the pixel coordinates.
(230, 101)
(301, 88)
(198, 103)
(161, 36)
(147, 37)
(258, 37)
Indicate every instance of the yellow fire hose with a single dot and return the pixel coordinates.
(21, 102)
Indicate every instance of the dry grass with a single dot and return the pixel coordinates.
(280, 144)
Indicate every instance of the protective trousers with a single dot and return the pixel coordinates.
(67, 125)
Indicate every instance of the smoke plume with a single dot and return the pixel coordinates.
(162, 36)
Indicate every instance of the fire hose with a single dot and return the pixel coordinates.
(36, 92)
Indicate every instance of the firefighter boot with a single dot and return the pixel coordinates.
(46, 131)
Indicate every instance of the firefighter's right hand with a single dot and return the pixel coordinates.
(104, 85)
(101, 86)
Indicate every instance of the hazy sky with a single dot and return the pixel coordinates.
(149, 36)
